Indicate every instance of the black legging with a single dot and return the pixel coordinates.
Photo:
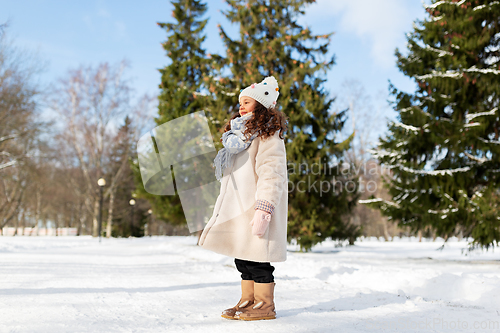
(260, 272)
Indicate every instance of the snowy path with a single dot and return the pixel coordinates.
(169, 284)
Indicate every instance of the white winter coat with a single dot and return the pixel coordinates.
(259, 172)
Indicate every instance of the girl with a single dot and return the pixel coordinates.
(249, 221)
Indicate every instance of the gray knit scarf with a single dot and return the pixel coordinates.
(234, 142)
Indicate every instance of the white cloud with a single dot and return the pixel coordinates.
(382, 24)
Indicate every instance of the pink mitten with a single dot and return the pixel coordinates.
(260, 222)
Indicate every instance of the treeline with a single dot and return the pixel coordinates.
(434, 174)
(49, 169)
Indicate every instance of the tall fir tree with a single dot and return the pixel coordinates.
(272, 42)
(182, 89)
(444, 149)
(119, 187)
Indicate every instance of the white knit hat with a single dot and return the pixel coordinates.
(266, 92)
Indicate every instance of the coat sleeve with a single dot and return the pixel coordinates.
(270, 167)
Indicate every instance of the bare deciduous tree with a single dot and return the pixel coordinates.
(89, 102)
(52, 181)
(366, 122)
(19, 127)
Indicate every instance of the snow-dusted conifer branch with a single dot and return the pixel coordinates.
(449, 172)
(472, 124)
(496, 142)
(450, 209)
(371, 200)
(221, 87)
(481, 160)
(405, 221)
(483, 70)
(410, 127)
(442, 53)
(402, 143)
(442, 211)
(409, 190)
(439, 3)
(462, 193)
(485, 6)
(406, 127)
(413, 190)
(471, 116)
(428, 98)
(382, 153)
(392, 155)
(410, 109)
(458, 74)
(452, 74)
(390, 203)
(449, 197)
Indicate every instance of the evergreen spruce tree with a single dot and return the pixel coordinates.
(272, 42)
(444, 149)
(120, 175)
(182, 88)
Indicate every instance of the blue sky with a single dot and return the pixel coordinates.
(67, 34)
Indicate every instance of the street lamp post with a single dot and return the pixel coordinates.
(132, 203)
(101, 182)
(150, 225)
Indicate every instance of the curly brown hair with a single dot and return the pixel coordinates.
(264, 121)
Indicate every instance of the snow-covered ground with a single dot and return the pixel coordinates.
(169, 284)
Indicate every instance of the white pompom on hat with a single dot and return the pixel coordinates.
(266, 92)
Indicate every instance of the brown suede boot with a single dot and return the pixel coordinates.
(247, 299)
(263, 307)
